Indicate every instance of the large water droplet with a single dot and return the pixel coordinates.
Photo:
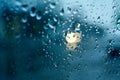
(118, 21)
(62, 12)
(55, 19)
(69, 9)
(38, 15)
(114, 7)
(24, 7)
(52, 5)
(50, 25)
(33, 12)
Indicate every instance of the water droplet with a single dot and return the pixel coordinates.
(24, 7)
(98, 17)
(114, 7)
(77, 28)
(80, 6)
(55, 19)
(85, 18)
(18, 3)
(118, 20)
(69, 9)
(55, 65)
(62, 12)
(33, 12)
(24, 19)
(75, 11)
(51, 26)
(38, 15)
(52, 5)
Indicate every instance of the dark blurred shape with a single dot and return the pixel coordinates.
(114, 51)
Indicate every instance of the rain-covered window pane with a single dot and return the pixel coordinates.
(59, 40)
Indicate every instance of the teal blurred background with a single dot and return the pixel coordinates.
(33, 45)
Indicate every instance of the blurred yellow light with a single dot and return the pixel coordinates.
(73, 37)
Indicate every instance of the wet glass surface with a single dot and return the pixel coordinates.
(59, 40)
